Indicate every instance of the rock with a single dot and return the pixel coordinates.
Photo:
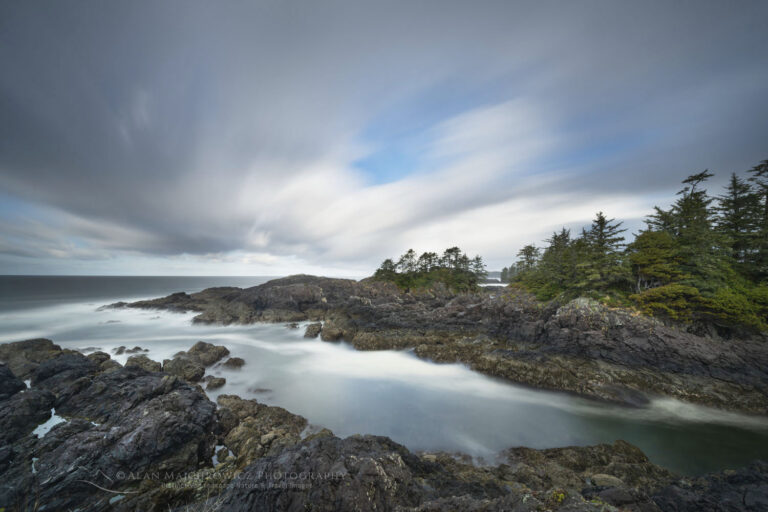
(186, 367)
(293, 325)
(603, 480)
(208, 353)
(143, 361)
(742, 489)
(99, 357)
(234, 362)
(127, 422)
(22, 413)
(254, 430)
(9, 384)
(313, 330)
(22, 357)
(119, 350)
(215, 382)
(109, 365)
(62, 373)
(136, 350)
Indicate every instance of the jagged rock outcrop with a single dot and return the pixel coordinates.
(120, 425)
(134, 440)
(580, 346)
(144, 362)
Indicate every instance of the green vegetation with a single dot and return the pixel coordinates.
(702, 261)
(455, 269)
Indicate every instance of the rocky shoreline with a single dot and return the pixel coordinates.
(131, 438)
(579, 347)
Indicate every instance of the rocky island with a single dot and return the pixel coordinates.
(145, 436)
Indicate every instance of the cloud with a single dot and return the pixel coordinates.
(230, 135)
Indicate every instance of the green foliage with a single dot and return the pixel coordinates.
(454, 269)
(703, 259)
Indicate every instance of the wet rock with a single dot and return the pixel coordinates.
(184, 366)
(603, 480)
(109, 365)
(208, 353)
(22, 357)
(9, 384)
(136, 350)
(143, 361)
(99, 357)
(234, 362)
(22, 413)
(127, 422)
(253, 430)
(293, 325)
(313, 330)
(734, 490)
(215, 382)
(63, 373)
(119, 350)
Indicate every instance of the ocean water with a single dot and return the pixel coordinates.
(422, 405)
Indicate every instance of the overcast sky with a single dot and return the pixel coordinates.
(267, 138)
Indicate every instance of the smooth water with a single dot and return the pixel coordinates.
(423, 405)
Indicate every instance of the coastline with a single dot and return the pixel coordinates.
(580, 347)
(137, 439)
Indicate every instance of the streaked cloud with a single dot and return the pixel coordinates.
(268, 138)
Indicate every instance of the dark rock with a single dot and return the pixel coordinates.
(136, 350)
(215, 382)
(234, 362)
(313, 330)
(119, 350)
(109, 365)
(208, 353)
(745, 489)
(22, 357)
(143, 361)
(9, 384)
(99, 357)
(122, 426)
(184, 366)
(22, 412)
(61, 373)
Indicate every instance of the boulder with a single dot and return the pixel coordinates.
(184, 366)
(22, 412)
(208, 353)
(143, 361)
(234, 362)
(9, 383)
(313, 330)
(99, 357)
(60, 374)
(22, 357)
(215, 382)
(136, 350)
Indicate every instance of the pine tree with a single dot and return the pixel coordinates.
(407, 262)
(736, 218)
(528, 257)
(759, 258)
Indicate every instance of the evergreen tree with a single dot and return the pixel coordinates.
(504, 275)
(528, 257)
(736, 218)
(759, 258)
(407, 262)
(601, 257)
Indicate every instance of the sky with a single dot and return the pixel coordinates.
(190, 137)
